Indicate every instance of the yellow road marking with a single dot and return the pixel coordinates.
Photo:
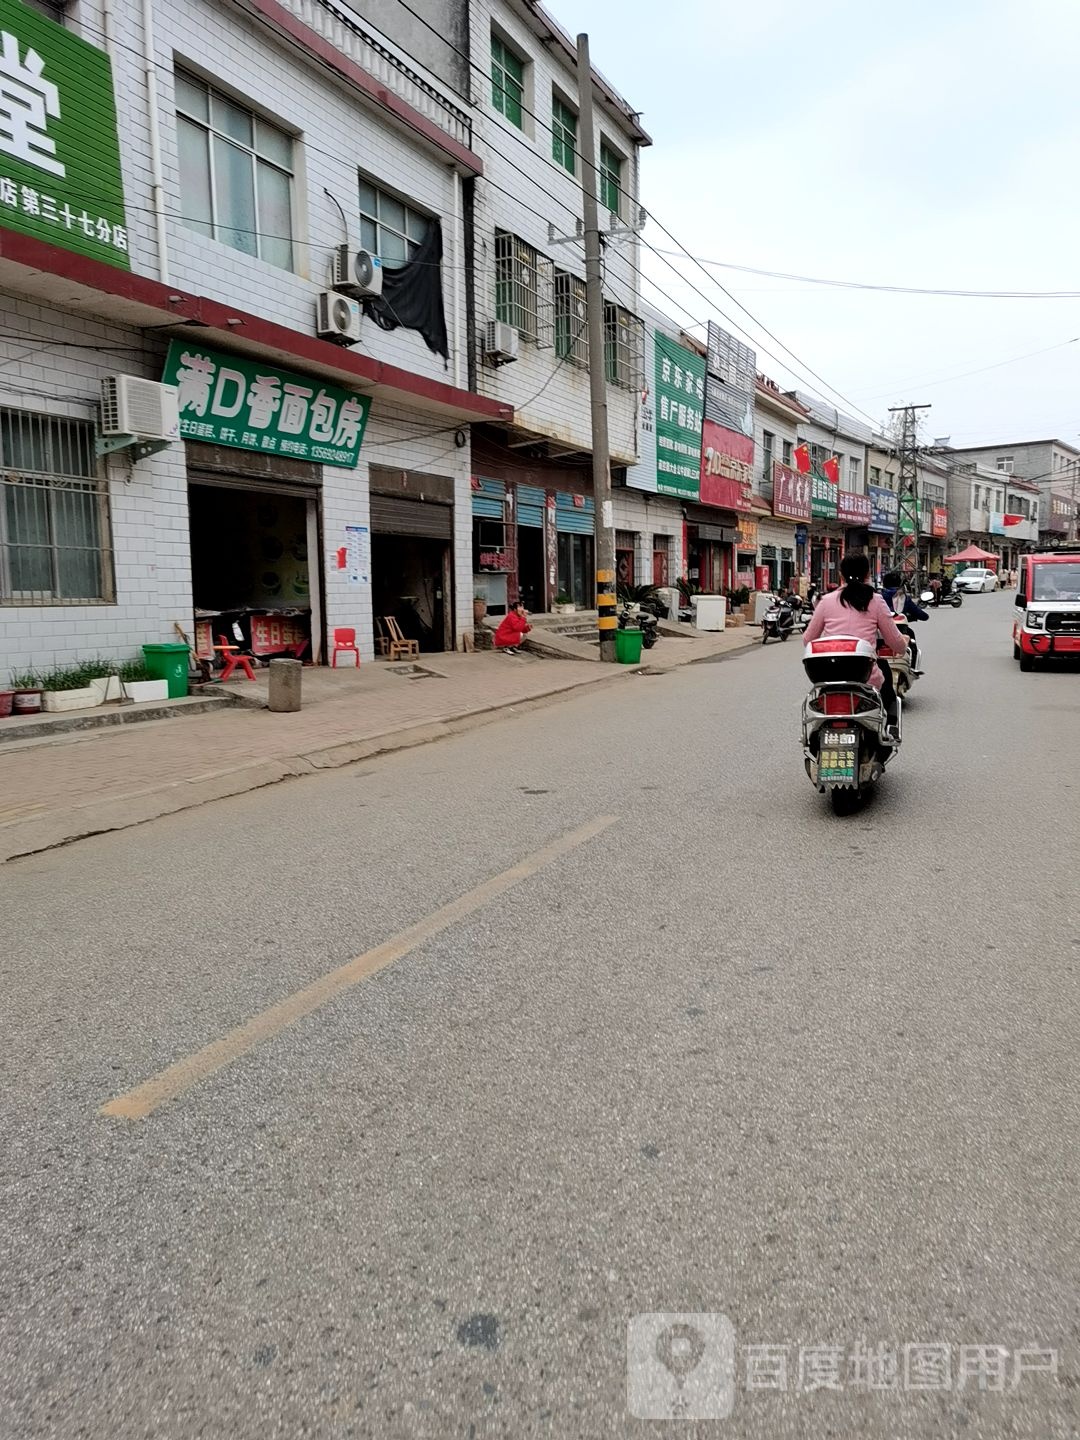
(144, 1099)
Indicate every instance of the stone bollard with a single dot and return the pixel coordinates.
(285, 685)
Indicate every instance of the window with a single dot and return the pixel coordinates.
(853, 468)
(611, 166)
(507, 81)
(1005, 464)
(875, 474)
(563, 135)
(768, 443)
(54, 513)
(622, 364)
(236, 173)
(788, 457)
(571, 327)
(976, 497)
(388, 227)
(515, 283)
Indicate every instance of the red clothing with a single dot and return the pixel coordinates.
(511, 630)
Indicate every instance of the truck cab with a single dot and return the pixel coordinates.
(1047, 618)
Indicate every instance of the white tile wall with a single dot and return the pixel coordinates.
(646, 516)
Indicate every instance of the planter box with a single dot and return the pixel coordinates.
(58, 700)
(565, 609)
(141, 690)
(107, 688)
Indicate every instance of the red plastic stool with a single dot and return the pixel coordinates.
(233, 661)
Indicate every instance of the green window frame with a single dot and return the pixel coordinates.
(571, 327)
(563, 135)
(611, 165)
(507, 81)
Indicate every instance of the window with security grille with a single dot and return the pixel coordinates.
(611, 170)
(236, 173)
(507, 81)
(563, 135)
(571, 319)
(55, 541)
(516, 283)
(388, 227)
(622, 347)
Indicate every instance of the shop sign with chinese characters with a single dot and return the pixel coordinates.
(852, 509)
(824, 495)
(680, 398)
(60, 175)
(232, 400)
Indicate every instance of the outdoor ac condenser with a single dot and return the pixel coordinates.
(146, 408)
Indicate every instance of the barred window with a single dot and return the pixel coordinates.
(55, 539)
(571, 319)
(516, 283)
(622, 347)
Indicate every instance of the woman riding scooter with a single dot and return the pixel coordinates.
(858, 610)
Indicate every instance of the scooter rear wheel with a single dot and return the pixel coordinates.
(844, 801)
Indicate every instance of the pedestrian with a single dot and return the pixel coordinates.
(512, 629)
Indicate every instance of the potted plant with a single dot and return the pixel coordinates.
(563, 604)
(27, 693)
(479, 607)
(104, 679)
(68, 687)
(137, 683)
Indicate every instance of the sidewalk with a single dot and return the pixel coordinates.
(87, 782)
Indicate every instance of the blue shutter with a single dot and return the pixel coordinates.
(530, 506)
(488, 502)
(571, 519)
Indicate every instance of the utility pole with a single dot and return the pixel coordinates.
(603, 519)
(907, 485)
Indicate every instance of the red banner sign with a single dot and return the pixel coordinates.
(270, 634)
(496, 560)
(941, 521)
(853, 509)
(727, 467)
(791, 493)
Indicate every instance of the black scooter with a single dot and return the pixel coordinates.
(779, 621)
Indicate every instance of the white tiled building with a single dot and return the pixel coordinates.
(270, 134)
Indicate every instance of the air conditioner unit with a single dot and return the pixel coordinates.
(357, 272)
(130, 406)
(339, 318)
(501, 342)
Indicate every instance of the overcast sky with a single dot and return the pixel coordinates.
(930, 144)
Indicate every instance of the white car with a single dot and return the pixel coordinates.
(976, 579)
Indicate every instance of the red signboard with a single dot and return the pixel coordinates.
(941, 521)
(496, 560)
(727, 467)
(762, 577)
(791, 493)
(270, 634)
(852, 509)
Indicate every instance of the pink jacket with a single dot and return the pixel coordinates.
(831, 618)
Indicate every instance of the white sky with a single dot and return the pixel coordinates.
(929, 144)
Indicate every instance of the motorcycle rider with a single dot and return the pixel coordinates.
(894, 593)
(858, 610)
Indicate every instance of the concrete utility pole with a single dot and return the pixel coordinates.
(907, 484)
(603, 519)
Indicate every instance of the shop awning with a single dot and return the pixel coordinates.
(972, 554)
(90, 287)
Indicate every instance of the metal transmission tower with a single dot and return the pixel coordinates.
(907, 489)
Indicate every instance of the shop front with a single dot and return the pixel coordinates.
(494, 551)
(260, 442)
(412, 566)
(881, 531)
(853, 512)
(791, 507)
(573, 518)
(826, 532)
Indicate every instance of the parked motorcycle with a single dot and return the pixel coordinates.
(779, 621)
(847, 739)
(642, 620)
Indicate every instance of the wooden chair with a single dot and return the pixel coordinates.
(399, 646)
(382, 639)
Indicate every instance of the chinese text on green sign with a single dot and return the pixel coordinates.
(231, 400)
(680, 398)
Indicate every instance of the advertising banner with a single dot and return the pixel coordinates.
(677, 406)
(940, 521)
(853, 509)
(791, 493)
(824, 497)
(883, 510)
(727, 467)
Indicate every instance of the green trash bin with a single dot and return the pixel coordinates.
(628, 647)
(169, 662)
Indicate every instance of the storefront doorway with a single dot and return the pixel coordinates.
(412, 555)
(576, 569)
(531, 504)
(255, 546)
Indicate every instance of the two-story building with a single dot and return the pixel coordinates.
(784, 510)
(530, 350)
(1041, 514)
(184, 199)
(882, 476)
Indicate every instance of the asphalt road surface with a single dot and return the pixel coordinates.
(592, 1016)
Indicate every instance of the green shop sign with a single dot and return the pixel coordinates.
(59, 154)
(680, 401)
(823, 497)
(229, 400)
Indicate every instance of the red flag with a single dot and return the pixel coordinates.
(1011, 519)
(831, 470)
(802, 459)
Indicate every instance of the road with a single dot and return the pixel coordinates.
(628, 1023)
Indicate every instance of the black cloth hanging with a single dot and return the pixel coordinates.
(412, 295)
